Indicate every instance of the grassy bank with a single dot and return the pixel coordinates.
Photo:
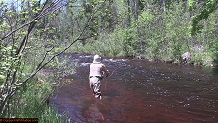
(32, 102)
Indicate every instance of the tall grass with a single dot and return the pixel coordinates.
(32, 102)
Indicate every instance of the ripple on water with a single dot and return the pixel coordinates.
(141, 91)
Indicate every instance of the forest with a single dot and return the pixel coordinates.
(33, 33)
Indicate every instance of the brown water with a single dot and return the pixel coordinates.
(139, 91)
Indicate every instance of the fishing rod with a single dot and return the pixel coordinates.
(105, 85)
(114, 70)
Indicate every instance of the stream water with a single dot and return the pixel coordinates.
(139, 91)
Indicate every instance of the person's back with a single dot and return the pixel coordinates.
(97, 70)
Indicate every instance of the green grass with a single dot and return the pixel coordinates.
(31, 102)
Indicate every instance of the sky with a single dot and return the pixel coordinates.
(7, 1)
(16, 2)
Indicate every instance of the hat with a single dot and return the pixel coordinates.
(97, 59)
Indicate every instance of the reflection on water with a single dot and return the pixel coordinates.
(141, 91)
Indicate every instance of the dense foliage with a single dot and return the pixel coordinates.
(154, 29)
(205, 9)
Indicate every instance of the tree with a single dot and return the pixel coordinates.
(27, 40)
(205, 9)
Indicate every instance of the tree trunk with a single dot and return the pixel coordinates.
(135, 8)
(128, 15)
(164, 6)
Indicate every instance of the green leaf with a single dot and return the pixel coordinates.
(2, 77)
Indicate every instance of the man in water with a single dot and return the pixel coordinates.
(97, 71)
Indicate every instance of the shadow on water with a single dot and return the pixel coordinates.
(139, 91)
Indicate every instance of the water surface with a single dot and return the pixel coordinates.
(139, 91)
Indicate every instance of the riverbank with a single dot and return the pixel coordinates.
(192, 61)
(116, 47)
(32, 101)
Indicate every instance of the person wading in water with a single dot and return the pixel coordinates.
(97, 71)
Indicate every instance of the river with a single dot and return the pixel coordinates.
(139, 91)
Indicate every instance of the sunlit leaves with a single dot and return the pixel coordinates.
(192, 5)
(2, 77)
(25, 30)
(4, 26)
(205, 10)
(8, 61)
